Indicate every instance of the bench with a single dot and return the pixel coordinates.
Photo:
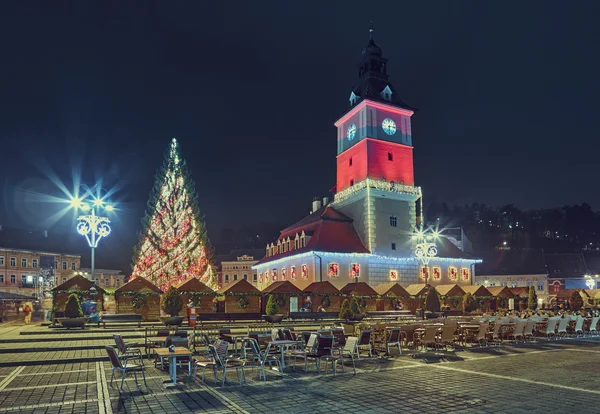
(120, 318)
(314, 315)
(229, 317)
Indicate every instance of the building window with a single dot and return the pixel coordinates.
(64, 279)
(393, 246)
(334, 270)
(73, 267)
(245, 277)
(540, 286)
(2, 279)
(293, 272)
(452, 273)
(283, 273)
(106, 282)
(254, 277)
(437, 273)
(97, 280)
(350, 162)
(466, 273)
(296, 243)
(226, 278)
(351, 183)
(234, 277)
(393, 221)
(34, 263)
(56, 265)
(355, 270)
(529, 284)
(23, 279)
(390, 156)
(1, 260)
(425, 273)
(13, 279)
(304, 271)
(274, 275)
(393, 275)
(13, 262)
(502, 283)
(23, 262)
(118, 283)
(64, 266)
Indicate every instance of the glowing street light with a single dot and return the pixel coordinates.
(91, 226)
(426, 248)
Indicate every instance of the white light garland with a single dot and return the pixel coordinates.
(378, 185)
(367, 256)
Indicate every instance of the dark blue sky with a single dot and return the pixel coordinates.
(507, 93)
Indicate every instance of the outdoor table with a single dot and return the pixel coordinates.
(236, 337)
(282, 344)
(157, 339)
(179, 352)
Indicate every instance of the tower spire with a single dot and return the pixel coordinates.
(371, 30)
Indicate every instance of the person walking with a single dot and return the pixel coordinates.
(27, 310)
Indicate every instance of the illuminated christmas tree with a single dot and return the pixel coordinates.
(173, 245)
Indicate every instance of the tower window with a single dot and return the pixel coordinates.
(393, 221)
(390, 156)
(393, 246)
(350, 161)
(351, 183)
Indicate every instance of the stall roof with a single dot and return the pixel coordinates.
(14, 296)
(358, 289)
(282, 286)
(566, 294)
(476, 290)
(193, 285)
(416, 290)
(391, 289)
(322, 288)
(500, 291)
(449, 290)
(78, 282)
(239, 286)
(139, 284)
(522, 291)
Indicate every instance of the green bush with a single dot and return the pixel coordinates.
(345, 312)
(272, 305)
(469, 303)
(171, 302)
(355, 307)
(576, 301)
(432, 300)
(73, 307)
(532, 299)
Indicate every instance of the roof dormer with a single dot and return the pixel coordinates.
(386, 93)
(353, 98)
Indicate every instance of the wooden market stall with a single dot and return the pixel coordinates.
(139, 297)
(501, 296)
(390, 293)
(323, 293)
(416, 299)
(241, 297)
(483, 296)
(520, 296)
(563, 297)
(81, 287)
(593, 297)
(287, 294)
(364, 294)
(451, 295)
(200, 295)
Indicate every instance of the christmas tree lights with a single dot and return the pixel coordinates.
(173, 245)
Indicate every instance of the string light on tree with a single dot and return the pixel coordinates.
(173, 245)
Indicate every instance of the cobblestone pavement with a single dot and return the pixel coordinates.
(555, 376)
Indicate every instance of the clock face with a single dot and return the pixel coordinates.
(389, 126)
(351, 132)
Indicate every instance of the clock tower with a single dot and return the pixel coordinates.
(375, 176)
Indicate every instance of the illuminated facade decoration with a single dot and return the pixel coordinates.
(283, 273)
(425, 273)
(293, 272)
(367, 231)
(466, 274)
(173, 242)
(452, 273)
(274, 275)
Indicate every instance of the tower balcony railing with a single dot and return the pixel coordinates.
(378, 185)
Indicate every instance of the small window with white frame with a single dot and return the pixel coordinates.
(73, 266)
(393, 221)
(13, 279)
(23, 262)
(540, 286)
(334, 270)
(13, 262)
(64, 265)
(226, 278)
(1, 260)
(2, 279)
(34, 263)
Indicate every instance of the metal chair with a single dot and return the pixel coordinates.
(309, 349)
(123, 366)
(259, 359)
(323, 351)
(126, 351)
(219, 354)
(364, 341)
(393, 339)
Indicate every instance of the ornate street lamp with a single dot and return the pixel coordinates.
(425, 248)
(92, 226)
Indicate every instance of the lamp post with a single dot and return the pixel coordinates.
(92, 226)
(425, 248)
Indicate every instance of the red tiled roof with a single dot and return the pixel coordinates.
(331, 230)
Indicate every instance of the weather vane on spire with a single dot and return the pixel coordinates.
(371, 29)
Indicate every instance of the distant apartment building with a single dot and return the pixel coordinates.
(238, 265)
(105, 278)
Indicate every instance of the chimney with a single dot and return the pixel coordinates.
(316, 204)
(325, 201)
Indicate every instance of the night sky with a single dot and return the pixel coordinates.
(507, 95)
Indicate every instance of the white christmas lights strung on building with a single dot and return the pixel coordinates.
(378, 185)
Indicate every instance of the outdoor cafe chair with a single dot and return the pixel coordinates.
(364, 342)
(393, 339)
(223, 362)
(594, 325)
(563, 324)
(259, 359)
(339, 337)
(348, 351)
(126, 351)
(322, 351)
(518, 330)
(123, 366)
(430, 336)
(550, 329)
(309, 349)
(528, 331)
(579, 325)
(446, 337)
(496, 334)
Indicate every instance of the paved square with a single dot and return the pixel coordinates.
(555, 376)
